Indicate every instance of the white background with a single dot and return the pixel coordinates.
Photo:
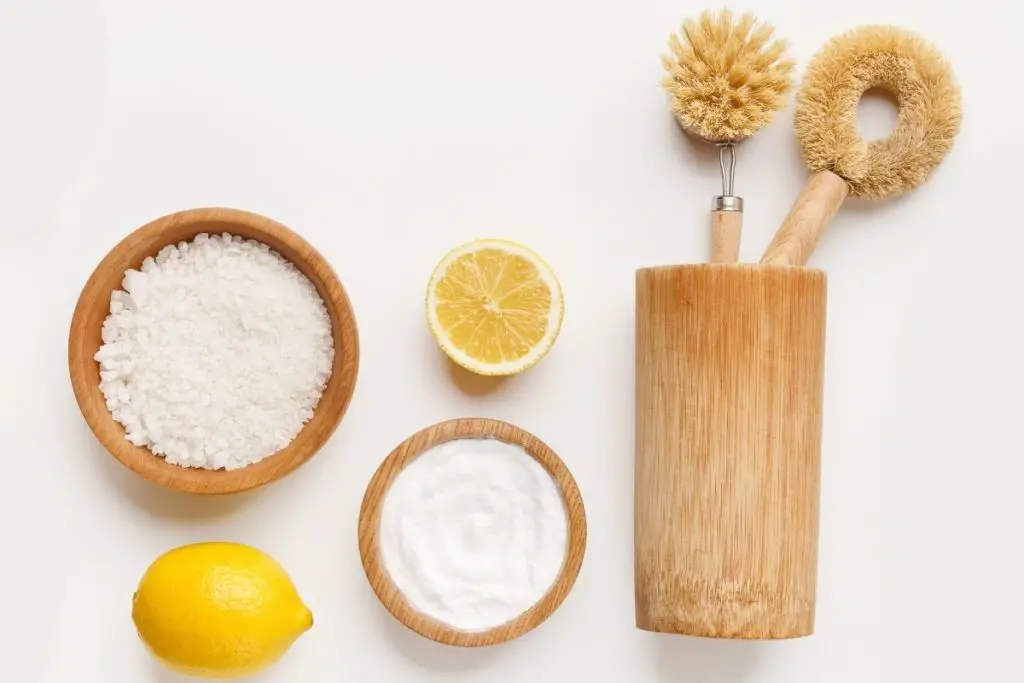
(387, 132)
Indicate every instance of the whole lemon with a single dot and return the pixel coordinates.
(218, 610)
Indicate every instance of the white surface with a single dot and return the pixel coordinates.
(388, 132)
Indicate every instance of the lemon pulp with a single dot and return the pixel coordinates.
(494, 306)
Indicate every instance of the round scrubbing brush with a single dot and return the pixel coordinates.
(826, 124)
(727, 77)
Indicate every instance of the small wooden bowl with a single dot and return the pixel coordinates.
(369, 524)
(94, 306)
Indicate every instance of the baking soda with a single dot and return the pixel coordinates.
(215, 353)
(473, 533)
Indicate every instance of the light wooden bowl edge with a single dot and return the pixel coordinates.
(369, 521)
(214, 482)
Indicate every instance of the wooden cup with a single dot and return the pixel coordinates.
(372, 508)
(729, 374)
(84, 339)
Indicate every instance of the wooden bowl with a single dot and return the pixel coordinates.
(94, 306)
(369, 523)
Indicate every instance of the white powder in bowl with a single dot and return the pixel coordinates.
(473, 533)
(215, 353)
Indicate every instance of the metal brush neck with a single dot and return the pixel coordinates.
(727, 201)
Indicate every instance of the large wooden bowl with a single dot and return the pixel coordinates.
(369, 524)
(94, 306)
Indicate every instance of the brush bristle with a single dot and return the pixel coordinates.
(928, 99)
(727, 78)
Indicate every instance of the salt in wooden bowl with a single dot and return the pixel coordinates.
(94, 306)
(370, 519)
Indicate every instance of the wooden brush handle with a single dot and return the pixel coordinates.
(726, 229)
(807, 220)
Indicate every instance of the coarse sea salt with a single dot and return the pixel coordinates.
(215, 353)
(473, 532)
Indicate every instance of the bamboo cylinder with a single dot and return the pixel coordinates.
(729, 376)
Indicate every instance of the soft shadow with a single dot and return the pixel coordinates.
(161, 502)
(162, 674)
(684, 659)
(706, 152)
(471, 383)
(428, 654)
(862, 206)
(702, 151)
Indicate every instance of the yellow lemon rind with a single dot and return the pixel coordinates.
(176, 587)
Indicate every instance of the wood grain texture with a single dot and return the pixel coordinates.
(726, 231)
(803, 227)
(729, 375)
(94, 306)
(369, 524)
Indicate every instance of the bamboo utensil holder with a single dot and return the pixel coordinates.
(94, 305)
(729, 375)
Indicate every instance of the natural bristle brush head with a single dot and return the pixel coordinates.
(727, 75)
(844, 164)
(927, 95)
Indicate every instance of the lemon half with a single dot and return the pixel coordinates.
(494, 306)
(218, 610)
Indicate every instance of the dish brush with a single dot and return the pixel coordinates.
(842, 162)
(727, 77)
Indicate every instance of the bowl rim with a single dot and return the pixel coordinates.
(141, 460)
(369, 523)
